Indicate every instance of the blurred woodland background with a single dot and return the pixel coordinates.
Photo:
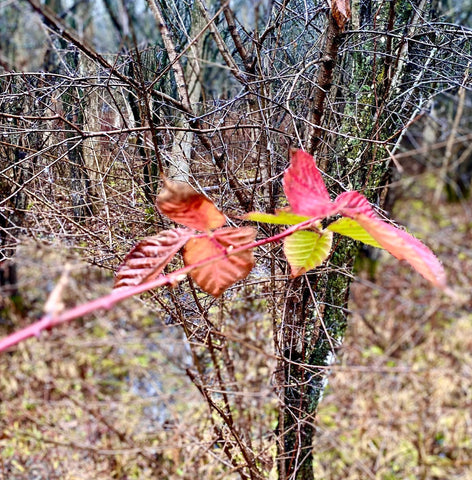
(358, 370)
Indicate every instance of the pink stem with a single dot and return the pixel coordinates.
(108, 301)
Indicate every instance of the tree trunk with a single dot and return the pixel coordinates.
(315, 319)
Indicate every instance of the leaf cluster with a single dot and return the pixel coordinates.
(223, 255)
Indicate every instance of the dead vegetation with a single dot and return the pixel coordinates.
(176, 384)
(398, 404)
(110, 396)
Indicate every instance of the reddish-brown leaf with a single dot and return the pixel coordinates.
(304, 187)
(182, 204)
(341, 11)
(148, 258)
(215, 277)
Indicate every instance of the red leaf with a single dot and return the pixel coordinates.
(404, 246)
(304, 187)
(217, 276)
(399, 243)
(148, 258)
(353, 203)
(182, 204)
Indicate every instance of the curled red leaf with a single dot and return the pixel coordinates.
(183, 204)
(149, 257)
(217, 276)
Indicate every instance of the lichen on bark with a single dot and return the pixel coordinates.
(315, 318)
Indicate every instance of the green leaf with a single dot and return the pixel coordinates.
(282, 217)
(350, 228)
(306, 250)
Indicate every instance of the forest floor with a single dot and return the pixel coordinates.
(399, 401)
(87, 400)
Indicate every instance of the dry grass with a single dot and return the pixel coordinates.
(399, 404)
(108, 397)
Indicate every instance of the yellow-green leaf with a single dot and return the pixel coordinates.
(350, 228)
(306, 250)
(282, 217)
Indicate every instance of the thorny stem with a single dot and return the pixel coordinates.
(106, 302)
